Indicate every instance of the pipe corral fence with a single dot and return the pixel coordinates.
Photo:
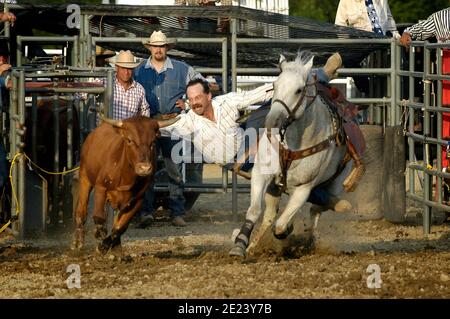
(70, 88)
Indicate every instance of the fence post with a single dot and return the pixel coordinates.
(428, 188)
(394, 193)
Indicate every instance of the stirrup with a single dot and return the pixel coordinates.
(353, 178)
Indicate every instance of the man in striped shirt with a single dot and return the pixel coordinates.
(213, 120)
(129, 95)
(437, 25)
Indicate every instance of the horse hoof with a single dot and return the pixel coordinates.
(100, 232)
(76, 245)
(102, 248)
(284, 234)
(238, 250)
(78, 240)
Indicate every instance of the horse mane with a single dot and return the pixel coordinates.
(303, 57)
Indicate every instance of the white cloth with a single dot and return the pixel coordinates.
(353, 13)
(219, 141)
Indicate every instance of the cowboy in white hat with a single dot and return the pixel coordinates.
(165, 80)
(129, 95)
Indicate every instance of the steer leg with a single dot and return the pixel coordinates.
(81, 213)
(119, 227)
(99, 214)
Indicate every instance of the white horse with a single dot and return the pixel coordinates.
(311, 134)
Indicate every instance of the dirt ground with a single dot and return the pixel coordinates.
(164, 261)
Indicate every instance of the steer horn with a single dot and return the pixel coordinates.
(116, 123)
(168, 122)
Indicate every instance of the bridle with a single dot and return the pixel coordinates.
(291, 113)
(285, 154)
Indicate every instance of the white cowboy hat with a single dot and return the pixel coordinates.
(159, 38)
(126, 59)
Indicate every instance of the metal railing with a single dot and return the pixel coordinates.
(18, 129)
(430, 109)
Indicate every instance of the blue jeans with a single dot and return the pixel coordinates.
(321, 76)
(176, 198)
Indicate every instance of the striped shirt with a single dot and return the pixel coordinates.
(437, 25)
(221, 140)
(130, 102)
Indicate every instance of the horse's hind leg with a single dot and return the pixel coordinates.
(259, 183)
(283, 226)
(272, 199)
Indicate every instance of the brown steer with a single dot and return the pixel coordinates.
(117, 159)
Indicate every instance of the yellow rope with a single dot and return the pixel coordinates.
(12, 185)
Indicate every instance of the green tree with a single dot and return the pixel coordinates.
(413, 11)
(322, 10)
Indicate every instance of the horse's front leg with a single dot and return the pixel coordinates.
(283, 225)
(272, 200)
(259, 183)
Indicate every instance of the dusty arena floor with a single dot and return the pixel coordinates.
(163, 261)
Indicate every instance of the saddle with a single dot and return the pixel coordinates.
(348, 112)
(356, 145)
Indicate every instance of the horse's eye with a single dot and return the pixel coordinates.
(298, 91)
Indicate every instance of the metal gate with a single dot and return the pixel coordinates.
(423, 109)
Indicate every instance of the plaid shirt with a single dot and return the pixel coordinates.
(130, 102)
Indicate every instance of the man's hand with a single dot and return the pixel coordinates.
(7, 16)
(213, 86)
(4, 67)
(396, 35)
(405, 40)
(180, 104)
